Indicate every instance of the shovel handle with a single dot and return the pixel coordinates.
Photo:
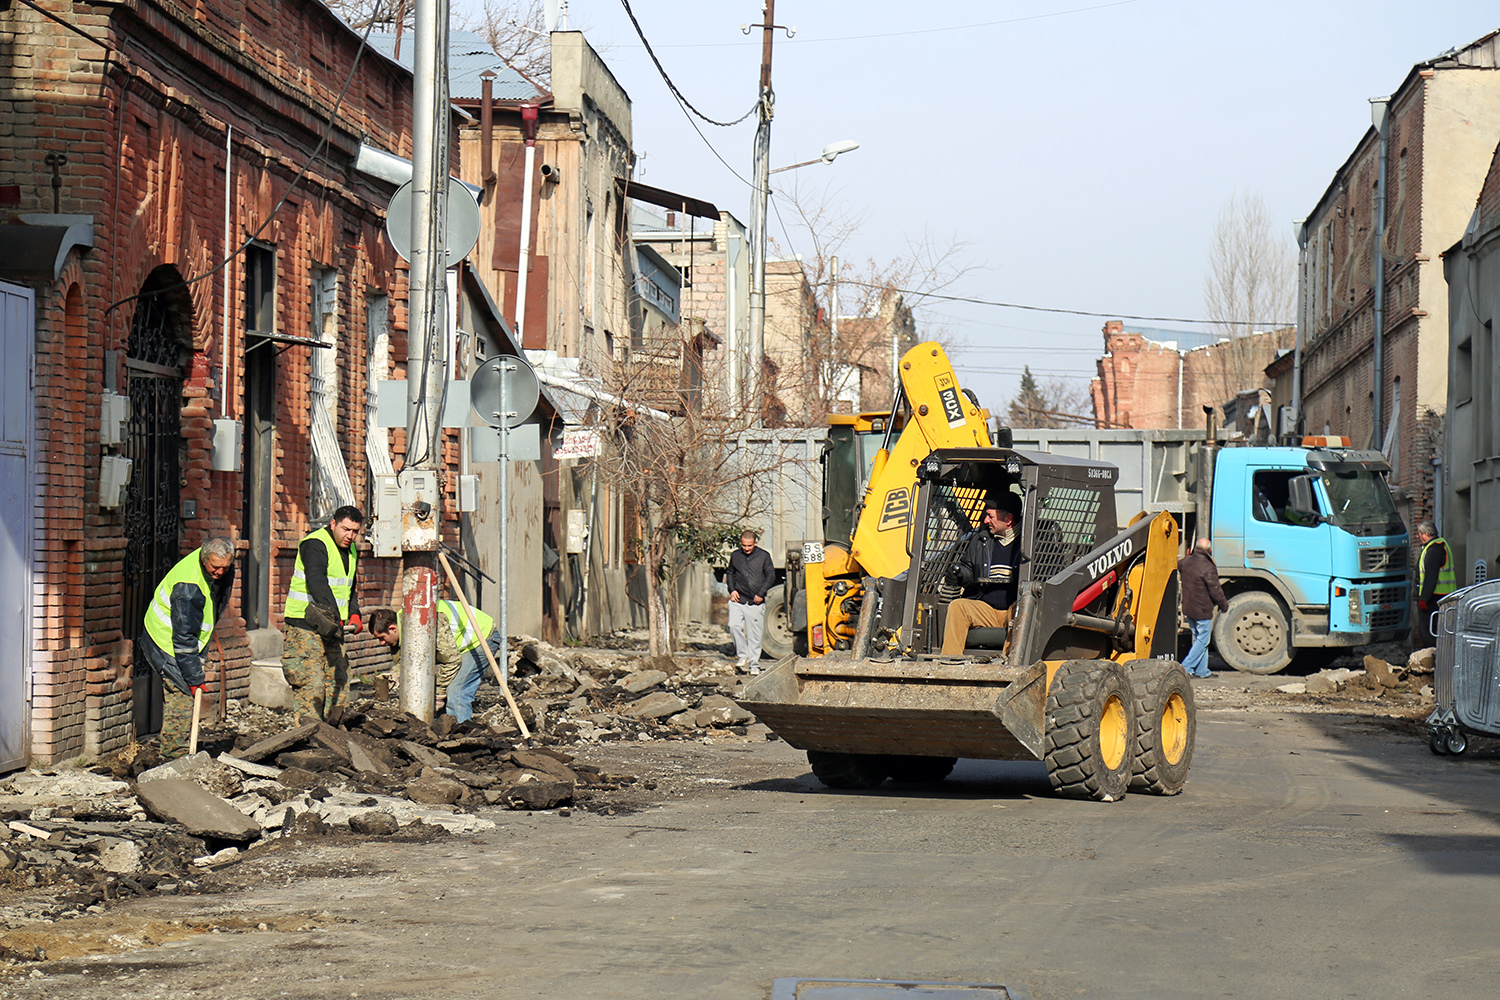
(197, 713)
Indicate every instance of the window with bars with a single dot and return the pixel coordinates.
(1066, 519)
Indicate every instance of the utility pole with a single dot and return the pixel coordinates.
(426, 366)
(759, 203)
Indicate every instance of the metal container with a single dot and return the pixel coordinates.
(1467, 628)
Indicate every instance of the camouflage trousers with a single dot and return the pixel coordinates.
(317, 670)
(176, 722)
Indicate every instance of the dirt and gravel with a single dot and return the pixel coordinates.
(595, 750)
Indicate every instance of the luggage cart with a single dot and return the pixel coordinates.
(1467, 670)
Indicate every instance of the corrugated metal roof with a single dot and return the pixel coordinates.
(468, 58)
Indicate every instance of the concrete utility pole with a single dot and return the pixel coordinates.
(759, 203)
(425, 361)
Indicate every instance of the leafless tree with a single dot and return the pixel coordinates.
(515, 29)
(1250, 285)
(1054, 403)
(877, 304)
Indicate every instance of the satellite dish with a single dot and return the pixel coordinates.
(460, 235)
(510, 375)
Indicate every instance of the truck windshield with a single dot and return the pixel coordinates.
(1359, 501)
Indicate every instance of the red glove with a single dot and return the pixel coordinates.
(197, 687)
(354, 620)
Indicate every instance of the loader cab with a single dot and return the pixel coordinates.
(1068, 507)
(848, 455)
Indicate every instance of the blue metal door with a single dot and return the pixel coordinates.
(17, 499)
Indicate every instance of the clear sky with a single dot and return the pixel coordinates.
(1082, 148)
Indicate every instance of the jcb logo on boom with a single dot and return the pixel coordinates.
(1111, 559)
(897, 510)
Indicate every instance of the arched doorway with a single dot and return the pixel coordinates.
(154, 360)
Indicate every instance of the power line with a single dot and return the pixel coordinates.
(1263, 324)
(668, 80)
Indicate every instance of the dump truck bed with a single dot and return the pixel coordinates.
(913, 707)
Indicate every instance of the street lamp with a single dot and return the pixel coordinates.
(759, 208)
(829, 154)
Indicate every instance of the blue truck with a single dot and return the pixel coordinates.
(1311, 550)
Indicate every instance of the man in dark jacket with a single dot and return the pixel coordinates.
(187, 604)
(750, 577)
(988, 571)
(1201, 593)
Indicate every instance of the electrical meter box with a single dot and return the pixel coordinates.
(385, 533)
(468, 494)
(114, 476)
(114, 412)
(577, 531)
(421, 510)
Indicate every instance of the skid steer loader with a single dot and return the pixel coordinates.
(1083, 678)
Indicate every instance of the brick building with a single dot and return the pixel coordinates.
(1441, 126)
(1164, 378)
(187, 131)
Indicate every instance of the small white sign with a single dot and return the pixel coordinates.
(577, 444)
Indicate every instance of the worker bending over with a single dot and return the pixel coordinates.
(460, 660)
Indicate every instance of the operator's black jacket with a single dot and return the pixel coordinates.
(993, 566)
(752, 575)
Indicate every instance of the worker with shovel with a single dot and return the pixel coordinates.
(179, 623)
(460, 660)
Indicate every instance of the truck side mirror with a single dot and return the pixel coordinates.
(1304, 504)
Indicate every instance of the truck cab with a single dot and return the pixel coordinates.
(1311, 551)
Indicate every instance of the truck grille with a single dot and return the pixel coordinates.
(1388, 559)
(1385, 595)
(1381, 620)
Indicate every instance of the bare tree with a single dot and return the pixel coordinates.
(517, 31)
(676, 454)
(877, 301)
(1250, 285)
(388, 13)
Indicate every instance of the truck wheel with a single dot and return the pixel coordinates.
(847, 770)
(1253, 636)
(1166, 726)
(919, 770)
(1089, 731)
(776, 640)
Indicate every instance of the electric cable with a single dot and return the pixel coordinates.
(668, 80)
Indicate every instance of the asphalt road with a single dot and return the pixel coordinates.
(1311, 856)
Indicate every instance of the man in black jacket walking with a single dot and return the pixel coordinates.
(749, 578)
(1200, 594)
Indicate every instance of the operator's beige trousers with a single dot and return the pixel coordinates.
(964, 614)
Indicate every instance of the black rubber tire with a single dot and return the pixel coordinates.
(1253, 636)
(777, 639)
(1166, 726)
(911, 770)
(847, 770)
(1456, 741)
(1089, 731)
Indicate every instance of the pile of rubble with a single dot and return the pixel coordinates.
(1377, 679)
(135, 826)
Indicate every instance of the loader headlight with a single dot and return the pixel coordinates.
(1356, 613)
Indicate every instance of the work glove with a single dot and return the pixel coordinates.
(961, 575)
(352, 626)
(196, 688)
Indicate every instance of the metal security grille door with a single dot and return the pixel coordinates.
(152, 500)
(17, 496)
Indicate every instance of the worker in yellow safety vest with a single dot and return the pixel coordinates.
(1435, 578)
(321, 607)
(179, 622)
(460, 659)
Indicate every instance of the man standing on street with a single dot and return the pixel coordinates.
(1201, 593)
(460, 659)
(179, 622)
(750, 577)
(1435, 578)
(988, 571)
(320, 607)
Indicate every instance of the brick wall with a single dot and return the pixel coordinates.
(144, 134)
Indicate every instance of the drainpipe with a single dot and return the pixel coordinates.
(1380, 117)
(224, 394)
(1180, 354)
(528, 122)
(1300, 227)
(1206, 456)
(487, 128)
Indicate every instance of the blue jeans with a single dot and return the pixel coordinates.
(1196, 662)
(465, 683)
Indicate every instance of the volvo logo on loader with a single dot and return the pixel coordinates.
(897, 510)
(1111, 559)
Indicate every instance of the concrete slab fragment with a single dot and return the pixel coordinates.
(185, 802)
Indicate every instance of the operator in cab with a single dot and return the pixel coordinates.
(988, 571)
